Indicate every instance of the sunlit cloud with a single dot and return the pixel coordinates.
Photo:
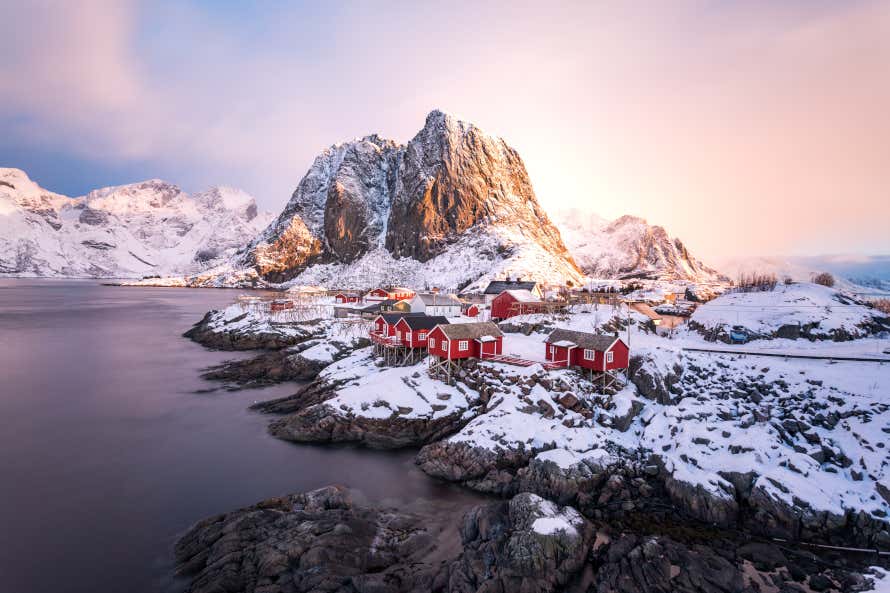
(749, 127)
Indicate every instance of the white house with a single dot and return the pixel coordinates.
(447, 305)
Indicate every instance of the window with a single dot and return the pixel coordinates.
(421, 336)
(589, 354)
(552, 350)
(408, 336)
(610, 356)
(445, 345)
(463, 345)
(432, 342)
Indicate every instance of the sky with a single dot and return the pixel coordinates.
(742, 127)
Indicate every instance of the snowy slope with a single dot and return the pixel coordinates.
(147, 228)
(628, 247)
(817, 310)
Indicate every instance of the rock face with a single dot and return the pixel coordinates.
(629, 247)
(140, 229)
(317, 541)
(451, 182)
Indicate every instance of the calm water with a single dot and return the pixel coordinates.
(107, 453)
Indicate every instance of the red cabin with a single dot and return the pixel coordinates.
(465, 340)
(398, 293)
(385, 324)
(471, 311)
(585, 350)
(347, 297)
(413, 330)
(276, 306)
(516, 302)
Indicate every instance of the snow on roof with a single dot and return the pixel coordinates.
(564, 343)
(432, 298)
(523, 296)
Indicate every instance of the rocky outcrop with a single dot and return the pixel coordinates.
(324, 424)
(527, 544)
(450, 182)
(213, 333)
(629, 247)
(318, 541)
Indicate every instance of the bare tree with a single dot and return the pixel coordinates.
(825, 279)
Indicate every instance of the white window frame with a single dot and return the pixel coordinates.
(552, 350)
(421, 336)
(610, 357)
(432, 342)
(463, 345)
(589, 354)
(445, 345)
(408, 336)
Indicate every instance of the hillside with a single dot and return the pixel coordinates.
(629, 247)
(127, 231)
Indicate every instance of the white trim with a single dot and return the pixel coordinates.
(463, 345)
(589, 354)
(610, 357)
(432, 343)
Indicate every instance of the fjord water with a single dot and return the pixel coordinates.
(108, 451)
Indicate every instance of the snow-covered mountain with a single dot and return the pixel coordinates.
(859, 274)
(629, 247)
(453, 206)
(147, 228)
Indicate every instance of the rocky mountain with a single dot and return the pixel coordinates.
(629, 247)
(452, 206)
(147, 228)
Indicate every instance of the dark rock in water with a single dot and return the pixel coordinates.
(269, 368)
(206, 333)
(323, 424)
(318, 541)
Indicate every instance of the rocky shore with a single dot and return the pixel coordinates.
(326, 540)
(678, 479)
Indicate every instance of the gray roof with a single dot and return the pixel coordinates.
(499, 286)
(392, 318)
(471, 331)
(432, 298)
(582, 339)
(425, 321)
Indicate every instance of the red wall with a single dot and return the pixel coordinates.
(620, 357)
(472, 351)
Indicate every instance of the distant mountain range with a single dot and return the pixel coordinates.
(454, 207)
(150, 228)
(855, 273)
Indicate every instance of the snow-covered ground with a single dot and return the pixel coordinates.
(826, 311)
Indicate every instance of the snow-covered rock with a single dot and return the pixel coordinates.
(629, 247)
(141, 229)
(798, 310)
(452, 206)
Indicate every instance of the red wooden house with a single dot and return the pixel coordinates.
(516, 302)
(471, 310)
(458, 341)
(384, 325)
(586, 350)
(398, 293)
(281, 305)
(347, 297)
(413, 330)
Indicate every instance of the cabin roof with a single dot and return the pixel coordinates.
(393, 318)
(523, 296)
(499, 286)
(432, 298)
(471, 331)
(568, 337)
(424, 321)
